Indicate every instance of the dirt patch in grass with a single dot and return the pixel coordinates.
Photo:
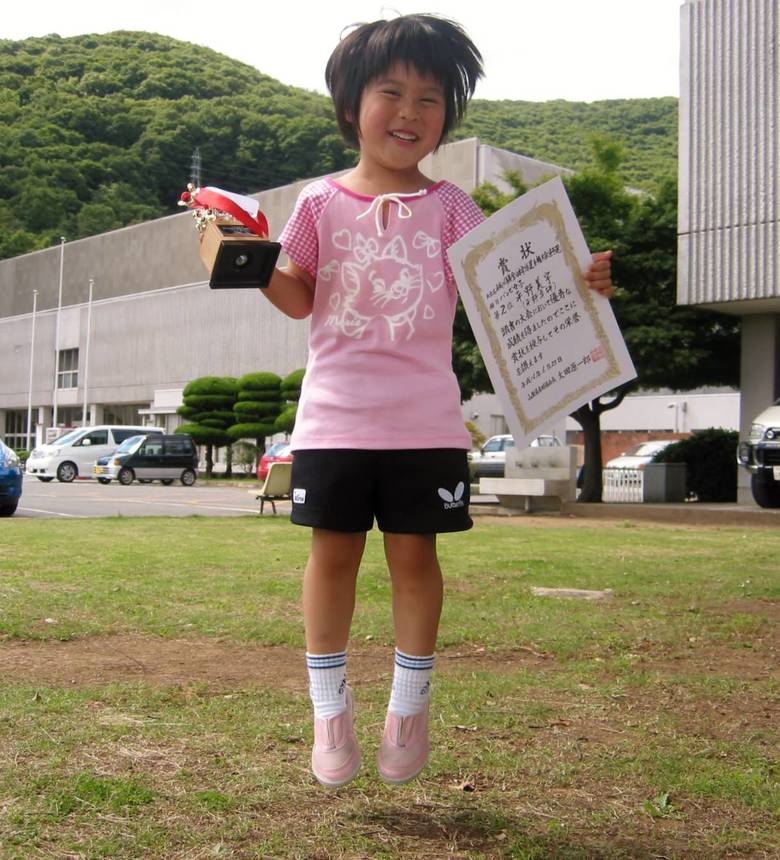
(227, 665)
(221, 665)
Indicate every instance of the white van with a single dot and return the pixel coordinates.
(74, 453)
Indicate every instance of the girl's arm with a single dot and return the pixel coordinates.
(292, 291)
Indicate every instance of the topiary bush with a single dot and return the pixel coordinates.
(291, 394)
(258, 404)
(710, 457)
(208, 405)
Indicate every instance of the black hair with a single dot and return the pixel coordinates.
(431, 45)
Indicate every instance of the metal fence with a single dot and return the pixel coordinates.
(623, 485)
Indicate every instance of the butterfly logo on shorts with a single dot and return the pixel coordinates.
(453, 500)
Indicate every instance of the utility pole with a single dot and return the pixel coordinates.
(32, 362)
(195, 167)
(85, 413)
(57, 337)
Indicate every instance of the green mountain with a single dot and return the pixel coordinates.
(97, 132)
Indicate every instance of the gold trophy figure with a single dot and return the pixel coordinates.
(234, 244)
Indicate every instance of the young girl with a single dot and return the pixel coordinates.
(379, 432)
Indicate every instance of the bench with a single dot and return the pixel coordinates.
(276, 486)
(536, 479)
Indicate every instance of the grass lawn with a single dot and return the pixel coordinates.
(153, 697)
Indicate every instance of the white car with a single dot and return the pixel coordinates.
(760, 455)
(75, 453)
(490, 460)
(639, 455)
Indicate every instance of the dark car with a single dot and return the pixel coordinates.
(151, 458)
(10, 480)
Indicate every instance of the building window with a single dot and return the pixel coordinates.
(16, 429)
(70, 416)
(68, 372)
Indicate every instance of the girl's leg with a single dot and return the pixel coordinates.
(417, 591)
(328, 604)
(329, 589)
(417, 601)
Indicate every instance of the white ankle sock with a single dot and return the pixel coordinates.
(327, 683)
(411, 684)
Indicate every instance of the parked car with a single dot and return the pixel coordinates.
(639, 455)
(490, 460)
(75, 453)
(151, 458)
(760, 455)
(10, 480)
(279, 452)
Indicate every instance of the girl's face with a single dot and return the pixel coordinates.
(401, 119)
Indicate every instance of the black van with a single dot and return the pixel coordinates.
(150, 458)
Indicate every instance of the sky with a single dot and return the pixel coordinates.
(578, 50)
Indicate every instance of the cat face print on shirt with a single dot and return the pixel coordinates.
(378, 285)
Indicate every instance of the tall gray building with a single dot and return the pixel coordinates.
(729, 216)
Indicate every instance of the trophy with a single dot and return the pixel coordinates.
(234, 243)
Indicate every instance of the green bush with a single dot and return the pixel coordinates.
(291, 385)
(261, 381)
(710, 457)
(203, 435)
(224, 385)
(210, 401)
(257, 408)
(267, 395)
(251, 431)
(285, 423)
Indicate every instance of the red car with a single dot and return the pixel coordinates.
(279, 452)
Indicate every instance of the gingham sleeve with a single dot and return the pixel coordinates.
(463, 215)
(299, 237)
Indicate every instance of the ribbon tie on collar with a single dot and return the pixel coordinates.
(378, 202)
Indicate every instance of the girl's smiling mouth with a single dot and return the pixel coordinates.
(405, 136)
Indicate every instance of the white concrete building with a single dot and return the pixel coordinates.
(729, 206)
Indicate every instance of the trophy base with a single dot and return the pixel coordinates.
(236, 257)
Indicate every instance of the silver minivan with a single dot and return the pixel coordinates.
(74, 454)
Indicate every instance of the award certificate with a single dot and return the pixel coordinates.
(549, 342)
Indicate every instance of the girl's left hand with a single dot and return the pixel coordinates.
(599, 275)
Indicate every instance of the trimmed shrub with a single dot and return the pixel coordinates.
(268, 395)
(210, 401)
(204, 435)
(225, 385)
(291, 385)
(226, 417)
(259, 382)
(253, 407)
(250, 431)
(710, 457)
(286, 421)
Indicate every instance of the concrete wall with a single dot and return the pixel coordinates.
(729, 155)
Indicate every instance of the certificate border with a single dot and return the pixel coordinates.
(548, 212)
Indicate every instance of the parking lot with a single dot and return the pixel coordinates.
(89, 499)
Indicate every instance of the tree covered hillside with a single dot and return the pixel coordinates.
(97, 132)
(561, 132)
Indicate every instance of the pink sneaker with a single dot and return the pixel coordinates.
(335, 756)
(403, 752)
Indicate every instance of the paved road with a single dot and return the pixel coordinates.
(90, 499)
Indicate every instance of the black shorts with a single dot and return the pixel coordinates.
(421, 491)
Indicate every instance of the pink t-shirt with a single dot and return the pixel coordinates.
(379, 373)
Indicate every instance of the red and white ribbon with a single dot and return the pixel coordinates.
(242, 208)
